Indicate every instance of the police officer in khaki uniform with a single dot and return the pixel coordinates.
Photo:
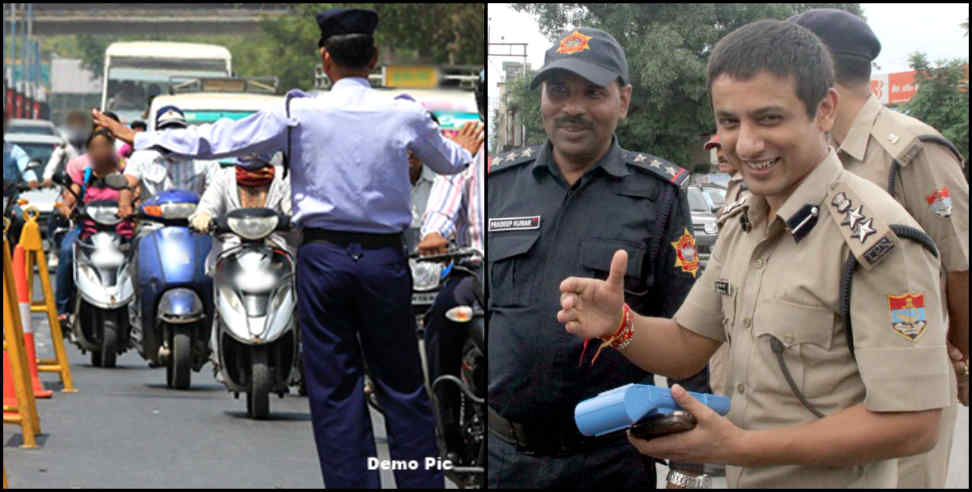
(815, 403)
(923, 171)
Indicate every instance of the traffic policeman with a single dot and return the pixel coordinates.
(560, 209)
(823, 395)
(348, 152)
(923, 171)
(15, 161)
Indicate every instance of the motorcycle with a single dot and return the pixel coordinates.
(102, 275)
(172, 313)
(471, 422)
(255, 299)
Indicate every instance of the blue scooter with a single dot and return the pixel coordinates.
(172, 314)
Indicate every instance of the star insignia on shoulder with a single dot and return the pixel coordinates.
(656, 164)
(853, 216)
(670, 170)
(527, 152)
(499, 159)
(864, 230)
(641, 158)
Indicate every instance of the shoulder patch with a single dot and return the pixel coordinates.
(868, 238)
(897, 138)
(659, 167)
(513, 158)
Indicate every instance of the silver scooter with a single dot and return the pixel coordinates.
(102, 276)
(256, 340)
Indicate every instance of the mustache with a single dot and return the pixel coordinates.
(573, 121)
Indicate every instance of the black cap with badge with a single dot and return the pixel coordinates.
(590, 53)
(346, 21)
(843, 32)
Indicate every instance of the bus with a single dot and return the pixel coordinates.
(135, 72)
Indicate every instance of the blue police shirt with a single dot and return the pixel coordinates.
(349, 153)
(15, 161)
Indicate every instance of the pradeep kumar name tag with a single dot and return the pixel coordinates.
(514, 224)
(722, 286)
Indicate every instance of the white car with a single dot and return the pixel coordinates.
(32, 127)
(39, 148)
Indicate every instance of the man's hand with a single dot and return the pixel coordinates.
(713, 440)
(433, 244)
(48, 183)
(125, 211)
(961, 366)
(117, 129)
(591, 308)
(201, 222)
(471, 136)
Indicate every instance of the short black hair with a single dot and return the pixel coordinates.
(782, 48)
(112, 116)
(101, 132)
(351, 50)
(139, 124)
(851, 70)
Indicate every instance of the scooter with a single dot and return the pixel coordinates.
(102, 275)
(469, 472)
(256, 338)
(172, 313)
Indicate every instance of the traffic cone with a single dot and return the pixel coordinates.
(20, 278)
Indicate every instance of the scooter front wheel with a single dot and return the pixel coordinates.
(109, 340)
(180, 362)
(261, 380)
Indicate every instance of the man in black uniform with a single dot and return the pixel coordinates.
(562, 209)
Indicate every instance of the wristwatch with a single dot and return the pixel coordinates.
(680, 479)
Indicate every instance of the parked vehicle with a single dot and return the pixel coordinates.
(704, 226)
(32, 127)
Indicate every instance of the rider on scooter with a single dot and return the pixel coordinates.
(253, 183)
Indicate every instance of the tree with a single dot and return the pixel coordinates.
(286, 45)
(667, 47)
(942, 99)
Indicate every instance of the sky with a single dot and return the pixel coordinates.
(902, 29)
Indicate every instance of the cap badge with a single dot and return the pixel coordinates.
(575, 42)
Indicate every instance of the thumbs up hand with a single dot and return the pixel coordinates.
(592, 308)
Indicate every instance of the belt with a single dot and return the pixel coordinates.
(340, 238)
(545, 439)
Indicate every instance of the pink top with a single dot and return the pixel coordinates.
(94, 194)
(126, 150)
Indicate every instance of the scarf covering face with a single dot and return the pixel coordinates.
(254, 177)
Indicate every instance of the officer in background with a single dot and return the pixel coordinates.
(348, 149)
(15, 161)
(923, 172)
(824, 395)
(561, 209)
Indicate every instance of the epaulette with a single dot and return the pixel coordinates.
(513, 158)
(868, 238)
(661, 168)
(897, 137)
(732, 209)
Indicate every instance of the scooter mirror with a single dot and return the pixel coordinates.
(116, 181)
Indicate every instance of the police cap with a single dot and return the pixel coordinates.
(843, 32)
(590, 53)
(346, 21)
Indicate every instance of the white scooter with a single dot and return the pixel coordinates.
(256, 340)
(102, 275)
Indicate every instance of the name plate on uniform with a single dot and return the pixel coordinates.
(502, 224)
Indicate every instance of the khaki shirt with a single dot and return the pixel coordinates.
(880, 135)
(762, 282)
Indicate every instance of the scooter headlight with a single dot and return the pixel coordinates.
(177, 210)
(254, 275)
(252, 228)
(103, 214)
(425, 275)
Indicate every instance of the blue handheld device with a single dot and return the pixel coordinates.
(621, 407)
